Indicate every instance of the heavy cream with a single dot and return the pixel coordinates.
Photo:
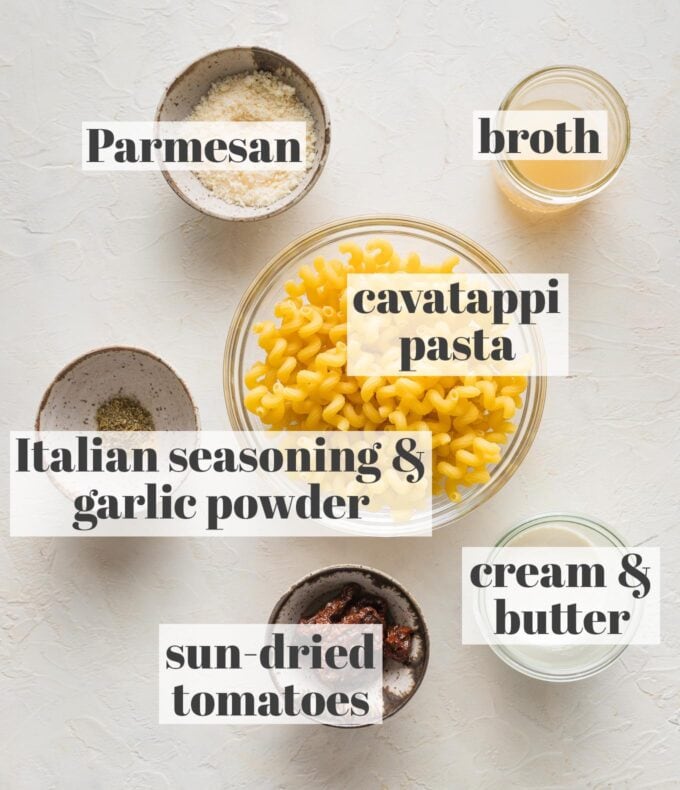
(559, 662)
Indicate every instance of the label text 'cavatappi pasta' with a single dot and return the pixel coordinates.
(457, 324)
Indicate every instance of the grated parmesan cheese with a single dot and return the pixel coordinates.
(254, 96)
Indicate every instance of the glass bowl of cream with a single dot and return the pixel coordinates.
(559, 663)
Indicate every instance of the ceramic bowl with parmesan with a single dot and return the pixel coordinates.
(332, 593)
(214, 88)
(121, 376)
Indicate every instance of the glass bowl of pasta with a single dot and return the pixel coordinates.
(285, 355)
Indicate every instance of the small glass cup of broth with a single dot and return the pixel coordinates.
(547, 185)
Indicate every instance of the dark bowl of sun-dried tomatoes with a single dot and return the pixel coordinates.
(357, 594)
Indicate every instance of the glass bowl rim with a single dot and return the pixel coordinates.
(574, 518)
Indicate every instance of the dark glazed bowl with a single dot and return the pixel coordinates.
(400, 681)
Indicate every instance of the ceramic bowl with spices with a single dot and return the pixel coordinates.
(117, 388)
(246, 84)
(359, 594)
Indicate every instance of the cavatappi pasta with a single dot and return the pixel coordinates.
(302, 383)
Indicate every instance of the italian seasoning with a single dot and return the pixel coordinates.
(123, 414)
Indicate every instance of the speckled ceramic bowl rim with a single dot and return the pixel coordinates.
(107, 349)
(368, 570)
(325, 135)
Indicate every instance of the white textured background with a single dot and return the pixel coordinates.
(90, 260)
